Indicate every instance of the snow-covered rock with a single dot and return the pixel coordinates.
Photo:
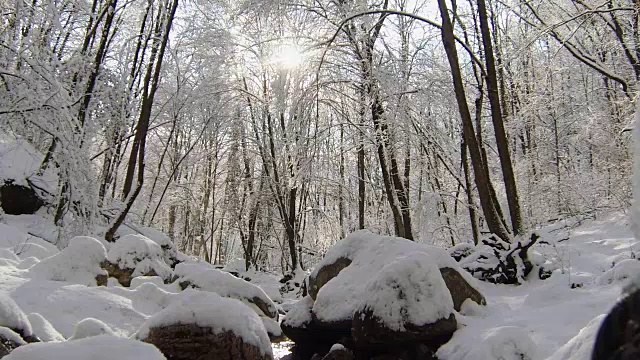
(341, 279)
(9, 340)
(12, 317)
(90, 327)
(408, 302)
(103, 347)
(43, 329)
(78, 263)
(170, 254)
(204, 276)
(217, 326)
(136, 255)
(407, 291)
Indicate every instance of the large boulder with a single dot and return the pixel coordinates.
(340, 279)
(19, 199)
(409, 304)
(205, 277)
(135, 255)
(374, 293)
(206, 326)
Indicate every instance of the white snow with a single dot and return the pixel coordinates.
(339, 298)
(581, 346)
(207, 278)
(43, 328)
(90, 327)
(625, 270)
(11, 335)
(64, 304)
(24, 245)
(550, 311)
(27, 263)
(139, 280)
(139, 253)
(207, 309)
(271, 326)
(408, 290)
(505, 343)
(300, 313)
(20, 161)
(7, 254)
(104, 347)
(13, 317)
(79, 263)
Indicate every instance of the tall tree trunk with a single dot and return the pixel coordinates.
(498, 123)
(151, 82)
(494, 222)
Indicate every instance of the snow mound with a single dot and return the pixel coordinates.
(148, 298)
(43, 328)
(103, 347)
(24, 245)
(90, 327)
(13, 317)
(139, 280)
(505, 343)
(580, 346)
(139, 253)
(64, 305)
(409, 290)
(207, 309)
(625, 271)
(9, 255)
(300, 313)
(27, 263)
(205, 277)
(338, 299)
(78, 263)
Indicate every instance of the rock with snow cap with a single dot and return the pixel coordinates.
(203, 276)
(12, 317)
(135, 255)
(9, 340)
(205, 326)
(408, 304)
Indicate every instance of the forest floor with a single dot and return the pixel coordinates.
(555, 318)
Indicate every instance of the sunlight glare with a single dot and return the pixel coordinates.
(288, 56)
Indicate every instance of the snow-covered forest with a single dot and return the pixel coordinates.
(337, 179)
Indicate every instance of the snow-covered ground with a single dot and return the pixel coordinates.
(555, 318)
(542, 317)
